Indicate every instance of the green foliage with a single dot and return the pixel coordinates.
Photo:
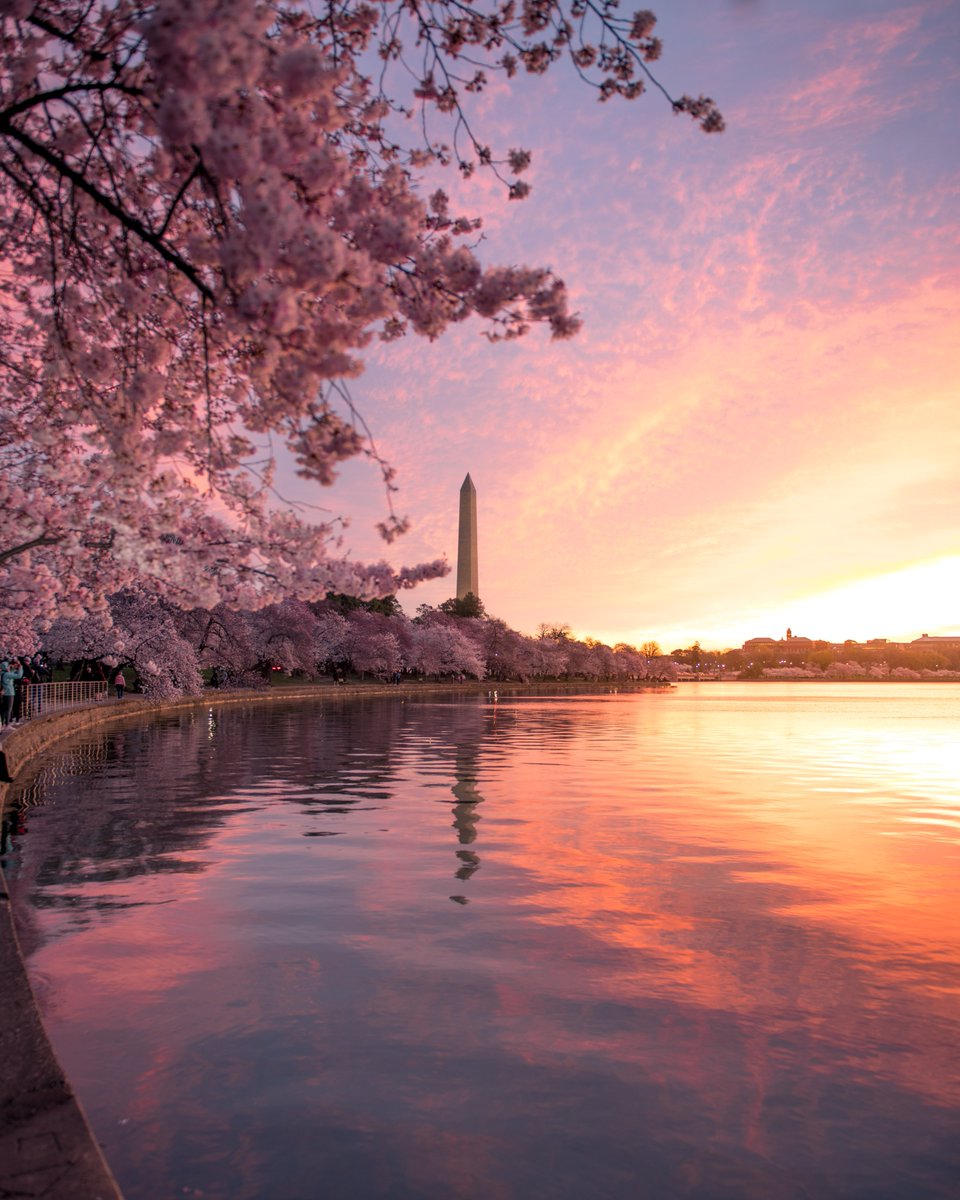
(695, 656)
(466, 606)
(388, 606)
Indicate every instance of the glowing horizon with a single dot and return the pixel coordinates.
(838, 614)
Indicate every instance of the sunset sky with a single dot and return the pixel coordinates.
(758, 425)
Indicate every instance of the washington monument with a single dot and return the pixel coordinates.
(467, 576)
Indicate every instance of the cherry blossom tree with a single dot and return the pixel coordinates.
(208, 210)
(506, 652)
(330, 638)
(153, 644)
(547, 658)
(662, 668)
(441, 649)
(629, 662)
(169, 646)
(373, 651)
(284, 635)
(221, 637)
(582, 660)
(93, 638)
(376, 643)
(133, 629)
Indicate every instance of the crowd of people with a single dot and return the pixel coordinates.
(15, 676)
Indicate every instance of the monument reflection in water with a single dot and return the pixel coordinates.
(702, 944)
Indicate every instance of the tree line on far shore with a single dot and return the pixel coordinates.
(173, 651)
(849, 660)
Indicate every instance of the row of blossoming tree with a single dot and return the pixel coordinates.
(209, 209)
(171, 648)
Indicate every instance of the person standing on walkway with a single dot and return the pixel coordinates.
(8, 682)
(34, 673)
(120, 683)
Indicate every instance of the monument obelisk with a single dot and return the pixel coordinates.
(467, 576)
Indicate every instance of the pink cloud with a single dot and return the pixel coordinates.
(768, 343)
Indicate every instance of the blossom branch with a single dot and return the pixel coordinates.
(126, 219)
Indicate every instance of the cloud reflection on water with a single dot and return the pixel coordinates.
(684, 970)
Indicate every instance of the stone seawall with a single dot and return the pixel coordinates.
(21, 745)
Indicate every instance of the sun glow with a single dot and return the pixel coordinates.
(898, 605)
(889, 605)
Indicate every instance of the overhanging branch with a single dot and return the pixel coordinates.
(43, 540)
(126, 219)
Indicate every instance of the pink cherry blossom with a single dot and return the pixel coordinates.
(206, 219)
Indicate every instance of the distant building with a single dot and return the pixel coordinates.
(782, 648)
(792, 647)
(760, 644)
(926, 642)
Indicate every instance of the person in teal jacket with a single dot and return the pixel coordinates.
(8, 678)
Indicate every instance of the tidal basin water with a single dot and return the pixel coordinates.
(703, 943)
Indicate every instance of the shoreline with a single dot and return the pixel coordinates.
(954, 677)
(47, 1147)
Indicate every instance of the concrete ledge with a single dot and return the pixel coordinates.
(19, 746)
